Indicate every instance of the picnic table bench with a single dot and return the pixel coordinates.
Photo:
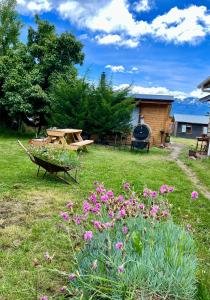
(63, 138)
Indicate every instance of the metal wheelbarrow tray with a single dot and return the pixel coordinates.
(51, 167)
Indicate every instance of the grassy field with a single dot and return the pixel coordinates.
(29, 209)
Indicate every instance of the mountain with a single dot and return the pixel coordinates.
(190, 106)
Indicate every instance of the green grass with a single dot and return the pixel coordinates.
(185, 141)
(29, 223)
(200, 167)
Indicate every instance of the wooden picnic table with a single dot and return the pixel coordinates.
(64, 138)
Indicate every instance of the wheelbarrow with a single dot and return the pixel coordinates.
(51, 168)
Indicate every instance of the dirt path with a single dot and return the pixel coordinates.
(176, 149)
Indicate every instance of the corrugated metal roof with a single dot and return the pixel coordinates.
(191, 119)
(153, 97)
(205, 99)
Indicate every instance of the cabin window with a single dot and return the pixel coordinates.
(205, 130)
(184, 128)
(189, 129)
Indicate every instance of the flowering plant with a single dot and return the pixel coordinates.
(132, 247)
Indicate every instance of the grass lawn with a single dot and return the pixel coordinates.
(29, 209)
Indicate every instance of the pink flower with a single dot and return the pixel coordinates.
(111, 214)
(119, 245)
(108, 224)
(155, 208)
(100, 190)
(86, 206)
(163, 189)
(122, 213)
(69, 205)
(43, 298)
(88, 235)
(93, 198)
(127, 203)
(126, 186)
(64, 215)
(141, 206)
(120, 269)
(170, 189)
(72, 276)
(63, 289)
(110, 194)
(120, 198)
(194, 195)
(125, 229)
(165, 213)
(146, 193)
(96, 209)
(104, 198)
(97, 224)
(153, 194)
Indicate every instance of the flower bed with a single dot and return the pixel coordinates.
(132, 250)
(59, 157)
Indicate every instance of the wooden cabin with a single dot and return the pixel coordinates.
(154, 110)
(190, 126)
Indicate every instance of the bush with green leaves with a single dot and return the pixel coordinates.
(59, 157)
(132, 250)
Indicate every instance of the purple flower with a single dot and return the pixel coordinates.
(88, 235)
(64, 215)
(141, 206)
(120, 198)
(120, 269)
(163, 189)
(165, 213)
(110, 194)
(194, 195)
(122, 213)
(72, 276)
(155, 208)
(63, 289)
(43, 298)
(96, 209)
(108, 224)
(69, 205)
(100, 190)
(86, 206)
(146, 193)
(119, 245)
(126, 186)
(170, 189)
(93, 198)
(153, 194)
(125, 229)
(111, 214)
(104, 198)
(97, 224)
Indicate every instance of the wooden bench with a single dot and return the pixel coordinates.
(81, 144)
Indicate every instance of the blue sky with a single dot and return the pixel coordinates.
(158, 46)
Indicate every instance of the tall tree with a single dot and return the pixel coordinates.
(10, 25)
(27, 72)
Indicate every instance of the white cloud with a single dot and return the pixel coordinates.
(142, 5)
(162, 91)
(116, 39)
(115, 68)
(115, 24)
(36, 6)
